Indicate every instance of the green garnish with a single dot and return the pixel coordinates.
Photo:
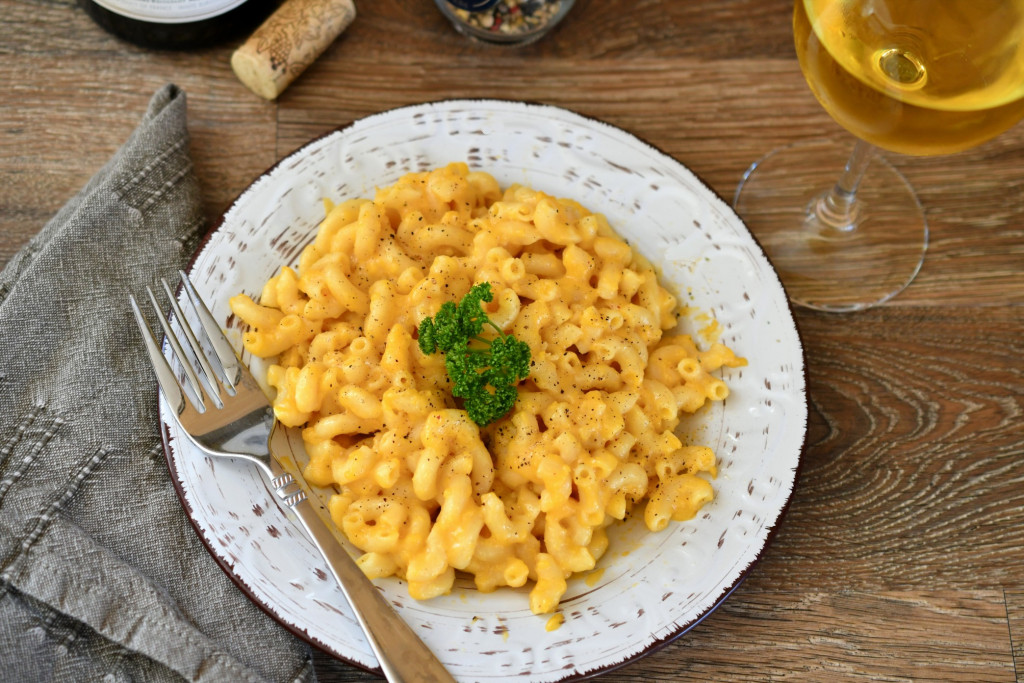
(484, 375)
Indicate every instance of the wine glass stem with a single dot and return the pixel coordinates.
(838, 210)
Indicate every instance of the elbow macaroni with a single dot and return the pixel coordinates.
(422, 490)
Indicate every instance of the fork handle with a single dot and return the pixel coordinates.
(403, 657)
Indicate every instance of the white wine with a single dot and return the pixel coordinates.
(178, 24)
(917, 77)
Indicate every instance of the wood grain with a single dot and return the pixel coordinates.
(900, 556)
(1015, 613)
(913, 475)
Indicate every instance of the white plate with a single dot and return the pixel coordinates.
(649, 588)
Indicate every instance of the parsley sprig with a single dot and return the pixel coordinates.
(485, 374)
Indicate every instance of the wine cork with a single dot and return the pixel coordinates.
(288, 42)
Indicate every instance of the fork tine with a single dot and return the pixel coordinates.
(229, 366)
(190, 373)
(164, 375)
(205, 371)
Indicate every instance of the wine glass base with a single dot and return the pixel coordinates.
(821, 267)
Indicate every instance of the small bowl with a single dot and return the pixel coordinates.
(535, 18)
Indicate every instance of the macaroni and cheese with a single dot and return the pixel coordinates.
(422, 490)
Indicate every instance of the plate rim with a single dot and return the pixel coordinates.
(654, 645)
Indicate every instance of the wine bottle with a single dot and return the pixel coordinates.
(178, 24)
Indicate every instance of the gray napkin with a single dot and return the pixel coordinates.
(101, 575)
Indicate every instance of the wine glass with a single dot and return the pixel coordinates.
(919, 77)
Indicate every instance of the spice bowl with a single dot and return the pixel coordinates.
(506, 22)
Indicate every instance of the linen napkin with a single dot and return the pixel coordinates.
(101, 575)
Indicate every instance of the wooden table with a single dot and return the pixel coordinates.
(902, 553)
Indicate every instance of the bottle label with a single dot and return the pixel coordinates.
(169, 11)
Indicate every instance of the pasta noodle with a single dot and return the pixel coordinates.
(423, 491)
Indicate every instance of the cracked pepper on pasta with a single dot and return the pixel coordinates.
(422, 490)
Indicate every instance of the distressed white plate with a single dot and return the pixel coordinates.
(649, 588)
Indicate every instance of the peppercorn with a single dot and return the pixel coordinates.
(511, 16)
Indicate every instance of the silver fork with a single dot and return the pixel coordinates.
(226, 414)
